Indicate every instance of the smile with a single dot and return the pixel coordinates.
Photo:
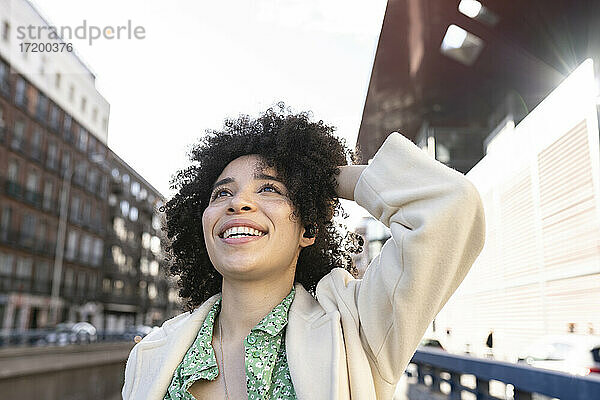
(241, 239)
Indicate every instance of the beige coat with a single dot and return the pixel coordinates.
(357, 338)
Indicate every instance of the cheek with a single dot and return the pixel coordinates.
(207, 222)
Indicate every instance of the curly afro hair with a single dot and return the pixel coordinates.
(304, 154)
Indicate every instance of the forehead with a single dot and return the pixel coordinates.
(248, 165)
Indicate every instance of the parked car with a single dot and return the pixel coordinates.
(571, 353)
(70, 333)
(431, 343)
(136, 333)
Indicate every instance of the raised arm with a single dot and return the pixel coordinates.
(437, 223)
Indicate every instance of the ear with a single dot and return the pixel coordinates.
(305, 242)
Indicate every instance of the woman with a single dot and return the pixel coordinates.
(252, 238)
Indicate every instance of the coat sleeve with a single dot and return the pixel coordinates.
(436, 219)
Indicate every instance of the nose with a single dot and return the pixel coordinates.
(240, 202)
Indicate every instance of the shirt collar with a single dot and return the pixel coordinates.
(277, 319)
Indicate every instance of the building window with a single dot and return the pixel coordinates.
(66, 160)
(20, 88)
(118, 286)
(156, 221)
(42, 107)
(118, 256)
(69, 275)
(133, 214)
(6, 31)
(83, 139)
(124, 208)
(95, 115)
(146, 240)
(87, 212)
(97, 252)
(115, 173)
(154, 268)
(92, 282)
(32, 182)
(67, 126)
(106, 285)
(91, 145)
(18, 135)
(104, 124)
(71, 93)
(152, 292)
(92, 180)
(86, 247)
(28, 230)
(6, 264)
(119, 227)
(48, 191)
(5, 223)
(75, 203)
(144, 266)
(125, 180)
(155, 244)
(36, 145)
(2, 123)
(135, 189)
(143, 291)
(31, 186)
(4, 82)
(51, 157)
(83, 104)
(57, 80)
(104, 187)
(24, 267)
(80, 173)
(71, 245)
(81, 278)
(41, 235)
(97, 220)
(54, 112)
(42, 272)
(13, 171)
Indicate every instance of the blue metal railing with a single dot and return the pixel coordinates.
(526, 380)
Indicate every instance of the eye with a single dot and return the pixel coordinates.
(270, 186)
(217, 193)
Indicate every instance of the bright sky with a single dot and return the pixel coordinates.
(202, 61)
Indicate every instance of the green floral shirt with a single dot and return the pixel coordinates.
(267, 372)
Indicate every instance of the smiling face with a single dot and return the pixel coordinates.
(246, 196)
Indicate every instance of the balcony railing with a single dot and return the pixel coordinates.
(5, 88)
(444, 372)
(22, 101)
(14, 189)
(33, 198)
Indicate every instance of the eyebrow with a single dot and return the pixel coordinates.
(257, 175)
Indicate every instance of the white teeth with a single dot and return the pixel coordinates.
(242, 231)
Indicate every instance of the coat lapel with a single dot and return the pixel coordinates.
(157, 359)
(314, 347)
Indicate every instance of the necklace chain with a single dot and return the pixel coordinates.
(222, 357)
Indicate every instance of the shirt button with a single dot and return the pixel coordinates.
(256, 353)
(251, 339)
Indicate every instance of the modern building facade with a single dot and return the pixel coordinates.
(78, 227)
(135, 288)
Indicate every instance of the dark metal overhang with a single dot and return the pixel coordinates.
(533, 46)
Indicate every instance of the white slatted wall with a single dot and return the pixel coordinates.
(540, 267)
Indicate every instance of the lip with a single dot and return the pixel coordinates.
(242, 222)
(242, 240)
